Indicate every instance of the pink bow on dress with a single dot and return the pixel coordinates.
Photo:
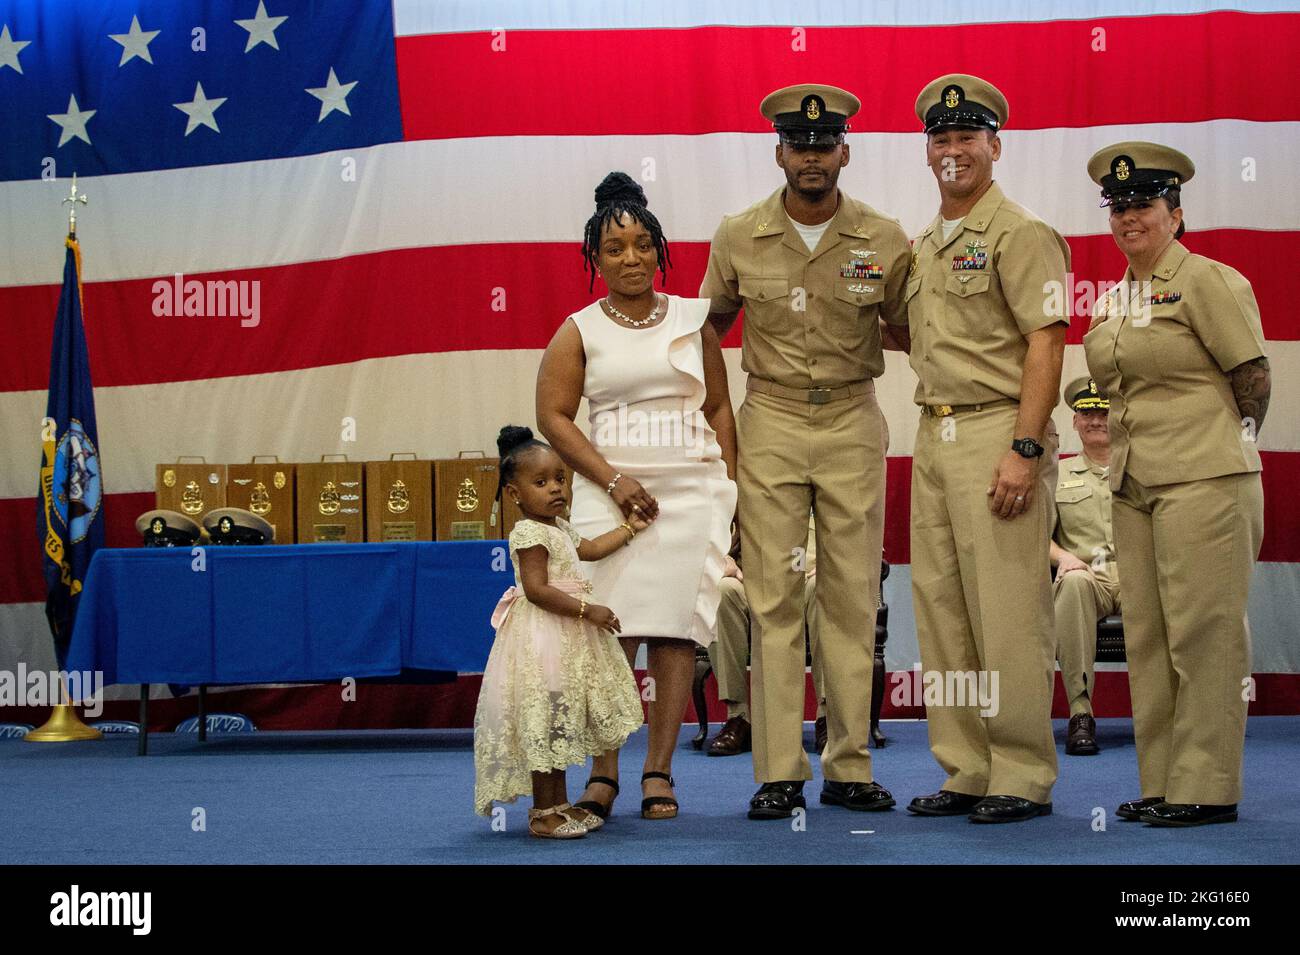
(513, 593)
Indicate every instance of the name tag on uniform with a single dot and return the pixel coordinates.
(1065, 484)
(1164, 298)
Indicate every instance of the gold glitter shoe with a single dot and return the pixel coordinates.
(569, 829)
(584, 817)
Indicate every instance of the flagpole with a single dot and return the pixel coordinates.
(64, 725)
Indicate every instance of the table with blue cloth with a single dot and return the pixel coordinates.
(311, 613)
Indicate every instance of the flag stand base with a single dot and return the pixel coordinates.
(63, 726)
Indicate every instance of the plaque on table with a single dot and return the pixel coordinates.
(330, 501)
(399, 499)
(191, 486)
(464, 490)
(510, 513)
(264, 487)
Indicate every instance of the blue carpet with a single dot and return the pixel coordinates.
(405, 797)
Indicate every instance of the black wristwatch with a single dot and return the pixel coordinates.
(1027, 447)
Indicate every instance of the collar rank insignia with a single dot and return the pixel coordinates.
(911, 269)
(974, 261)
(1164, 298)
(857, 268)
(862, 289)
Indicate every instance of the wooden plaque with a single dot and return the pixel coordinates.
(330, 502)
(463, 492)
(193, 488)
(266, 489)
(399, 500)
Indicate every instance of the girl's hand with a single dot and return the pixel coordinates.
(604, 618)
(638, 521)
(632, 498)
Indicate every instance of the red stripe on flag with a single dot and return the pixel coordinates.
(21, 578)
(413, 301)
(711, 79)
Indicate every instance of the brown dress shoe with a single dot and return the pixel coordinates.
(1082, 737)
(819, 734)
(734, 738)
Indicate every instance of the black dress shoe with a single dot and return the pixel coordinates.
(777, 800)
(943, 803)
(863, 797)
(1008, 809)
(819, 735)
(1182, 815)
(1081, 739)
(1132, 809)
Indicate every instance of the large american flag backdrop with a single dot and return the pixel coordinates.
(407, 182)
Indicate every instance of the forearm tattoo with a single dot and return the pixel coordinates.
(1252, 383)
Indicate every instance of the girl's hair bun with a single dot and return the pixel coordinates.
(511, 437)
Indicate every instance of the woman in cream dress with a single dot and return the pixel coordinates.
(662, 443)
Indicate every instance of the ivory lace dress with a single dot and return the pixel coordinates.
(557, 690)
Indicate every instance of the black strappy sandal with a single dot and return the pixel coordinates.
(595, 808)
(650, 802)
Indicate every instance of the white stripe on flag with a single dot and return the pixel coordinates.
(539, 188)
(435, 405)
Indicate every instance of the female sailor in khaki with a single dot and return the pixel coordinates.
(1179, 348)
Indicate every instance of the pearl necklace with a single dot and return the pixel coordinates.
(635, 323)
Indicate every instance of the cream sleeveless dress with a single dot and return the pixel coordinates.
(645, 388)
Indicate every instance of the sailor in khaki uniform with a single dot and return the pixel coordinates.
(816, 272)
(1179, 348)
(987, 348)
(1085, 585)
(729, 654)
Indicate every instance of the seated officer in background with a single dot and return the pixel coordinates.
(729, 654)
(1086, 581)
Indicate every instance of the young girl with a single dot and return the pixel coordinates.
(557, 688)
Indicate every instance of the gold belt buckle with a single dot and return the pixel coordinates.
(941, 411)
(819, 396)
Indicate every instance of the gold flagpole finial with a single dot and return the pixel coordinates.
(72, 201)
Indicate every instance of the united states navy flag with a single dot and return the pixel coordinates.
(68, 512)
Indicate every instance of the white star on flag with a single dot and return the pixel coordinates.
(73, 121)
(135, 42)
(9, 50)
(261, 29)
(333, 95)
(200, 110)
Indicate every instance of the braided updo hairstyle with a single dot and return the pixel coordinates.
(513, 442)
(617, 194)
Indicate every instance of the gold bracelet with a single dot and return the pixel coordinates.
(582, 607)
(630, 529)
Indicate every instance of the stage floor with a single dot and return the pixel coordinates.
(405, 797)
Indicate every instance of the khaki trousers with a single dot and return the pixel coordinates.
(1081, 598)
(729, 654)
(981, 589)
(1188, 551)
(795, 455)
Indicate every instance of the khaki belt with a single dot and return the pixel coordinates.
(943, 411)
(814, 396)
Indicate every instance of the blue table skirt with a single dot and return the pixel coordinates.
(280, 614)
